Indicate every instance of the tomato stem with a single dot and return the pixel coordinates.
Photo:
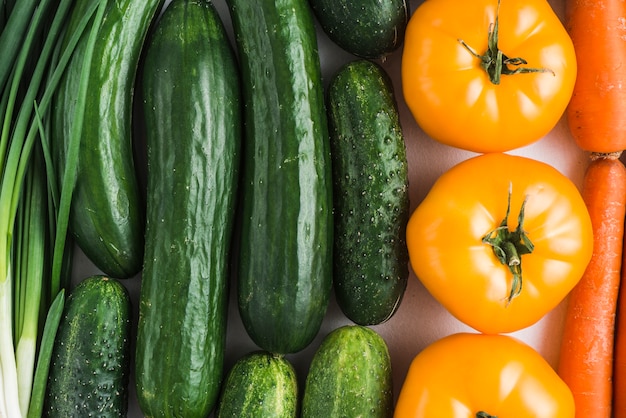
(496, 63)
(483, 414)
(508, 246)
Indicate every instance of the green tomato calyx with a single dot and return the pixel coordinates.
(509, 246)
(496, 63)
(483, 414)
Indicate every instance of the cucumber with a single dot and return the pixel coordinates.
(106, 215)
(285, 257)
(371, 200)
(259, 384)
(192, 108)
(366, 28)
(90, 364)
(350, 376)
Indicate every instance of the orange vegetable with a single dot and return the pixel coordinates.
(597, 107)
(619, 356)
(503, 286)
(482, 376)
(464, 94)
(587, 347)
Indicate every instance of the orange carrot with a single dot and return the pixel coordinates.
(598, 105)
(619, 357)
(586, 358)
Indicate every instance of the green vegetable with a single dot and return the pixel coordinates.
(350, 376)
(107, 212)
(193, 135)
(365, 28)
(285, 257)
(371, 200)
(30, 226)
(90, 365)
(260, 384)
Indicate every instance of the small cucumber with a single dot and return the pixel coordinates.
(90, 366)
(260, 384)
(350, 376)
(285, 258)
(371, 201)
(193, 137)
(106, 215)
(365, 28)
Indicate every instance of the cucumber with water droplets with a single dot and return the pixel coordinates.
(371, 202)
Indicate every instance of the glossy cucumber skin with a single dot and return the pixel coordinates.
(350, 376)
(193, 136)
(107, 212)
(90, 366)
(260, 384)
(371, 201)
(285, 258)
(365, 28)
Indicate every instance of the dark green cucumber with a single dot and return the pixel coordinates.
(365, 28)
(285, 258)
(193, 137)
(107, 210)
(260, 384)
(350, 376)
(371, 201)
(90, 365)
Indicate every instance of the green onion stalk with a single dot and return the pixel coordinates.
(33, 210)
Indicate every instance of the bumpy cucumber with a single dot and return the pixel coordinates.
(350, 376)
(193, 137)
(365, 28)
(107, 210)
(260, 384)
(371, 201)
(90, 364)
(285, 258)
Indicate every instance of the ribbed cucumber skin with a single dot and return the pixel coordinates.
(260, 384)
(285, 258)
(193, 137)
(365, 28)
(350, 376)
(107, 209)
(371, 199)
(90, 366)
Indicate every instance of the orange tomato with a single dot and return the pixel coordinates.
(482, 376)
(451, 76)
(473, 256)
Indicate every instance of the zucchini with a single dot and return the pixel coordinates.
(371, 200)
(192, 112)
(90, 363)
(366, 28)
(285, 257)
(106, 215)
(260, 384)
(350, 376)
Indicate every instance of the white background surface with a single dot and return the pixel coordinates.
(420, 320)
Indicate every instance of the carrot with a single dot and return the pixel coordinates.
(619, 357)
(587, 347)
(595, 113)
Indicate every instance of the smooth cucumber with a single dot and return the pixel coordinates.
(193, 136)
(285, 258)
(371, 200)
(365, 28)
(350, 376)
(106, 217)
(90, 364)
(260, 384)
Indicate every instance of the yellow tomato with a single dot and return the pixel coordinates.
(473, 256)
(464, 94)
(482, 376)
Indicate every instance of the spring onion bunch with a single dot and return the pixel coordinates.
(34, 210)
